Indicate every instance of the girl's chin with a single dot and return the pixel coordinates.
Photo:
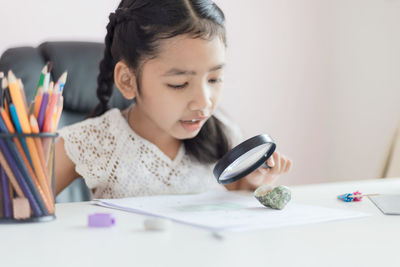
(182, 135)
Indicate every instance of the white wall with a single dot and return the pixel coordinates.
(320, 76)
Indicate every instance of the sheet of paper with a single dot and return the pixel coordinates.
(219, 210)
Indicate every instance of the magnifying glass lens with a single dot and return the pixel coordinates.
(246, 160)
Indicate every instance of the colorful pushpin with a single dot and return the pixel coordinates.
(101, 220)
(353, 197)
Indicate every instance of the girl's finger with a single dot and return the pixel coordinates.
(283, 163)
(277, 167)
(288, 166)
(271, 162)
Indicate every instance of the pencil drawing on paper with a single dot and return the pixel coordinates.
(222, 206)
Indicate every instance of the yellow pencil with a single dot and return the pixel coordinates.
(21, 87)
(38, 141)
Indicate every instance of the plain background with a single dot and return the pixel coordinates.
(320, 76)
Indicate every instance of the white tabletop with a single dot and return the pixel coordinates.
(67, 241)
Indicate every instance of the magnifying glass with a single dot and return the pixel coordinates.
(244, 158)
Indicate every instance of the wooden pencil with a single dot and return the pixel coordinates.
(5, 193)
(21, 87)
(11, 176)
(6, 97)
(41, 81)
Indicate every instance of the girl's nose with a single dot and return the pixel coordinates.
(202, 99)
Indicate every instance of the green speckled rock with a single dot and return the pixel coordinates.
(275, 198)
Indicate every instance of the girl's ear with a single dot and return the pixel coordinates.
(125, 80)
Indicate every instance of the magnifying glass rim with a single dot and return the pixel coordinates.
(239, 150)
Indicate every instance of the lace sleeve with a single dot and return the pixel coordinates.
(89, 145)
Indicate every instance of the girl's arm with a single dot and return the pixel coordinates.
(64, 167)
(279, 165)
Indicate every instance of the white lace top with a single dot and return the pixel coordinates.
(116, 162)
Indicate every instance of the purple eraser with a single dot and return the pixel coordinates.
(101, 220)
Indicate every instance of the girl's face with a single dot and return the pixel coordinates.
(180, 88)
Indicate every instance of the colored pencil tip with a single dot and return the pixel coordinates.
(20, 84)
(51, 86)
(63, 78)
(57, 87)
(44, 70)
(11, 77)
(33, 120)
(49, 66)
(4, 83)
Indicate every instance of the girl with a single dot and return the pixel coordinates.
(168, 57)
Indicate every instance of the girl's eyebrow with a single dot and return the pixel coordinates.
(176, 71)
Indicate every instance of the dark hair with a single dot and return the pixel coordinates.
(133, 35)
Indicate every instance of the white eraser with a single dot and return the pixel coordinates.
(156, 224)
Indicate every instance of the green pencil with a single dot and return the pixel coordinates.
(41, 79)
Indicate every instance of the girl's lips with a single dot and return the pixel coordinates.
(192, 125)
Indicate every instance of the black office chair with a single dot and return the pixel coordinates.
(81, 60)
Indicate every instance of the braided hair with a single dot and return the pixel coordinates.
(134, 32)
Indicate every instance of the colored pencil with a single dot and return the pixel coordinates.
(6, 95)
(11, 176)
(2, 91)
(6, 194)
(21, 87)
(46, 82)
(40, 147)
(58, 114)
(1, 201)
(42, 110)
(41, 80)
(18, 101)
(61, 81)
(18, 128)
(38, 101)
(51, 110)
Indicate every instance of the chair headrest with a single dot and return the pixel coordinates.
(80, 59)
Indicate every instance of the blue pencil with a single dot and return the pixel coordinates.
(21, 173)
(14, 117)
(5, 187)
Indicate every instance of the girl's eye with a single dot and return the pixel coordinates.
(215, 80)
(178, 86)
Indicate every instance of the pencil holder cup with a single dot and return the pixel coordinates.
(27, 177)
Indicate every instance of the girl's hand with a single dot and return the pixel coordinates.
(279, 164)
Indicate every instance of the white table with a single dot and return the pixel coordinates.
(67, 241)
